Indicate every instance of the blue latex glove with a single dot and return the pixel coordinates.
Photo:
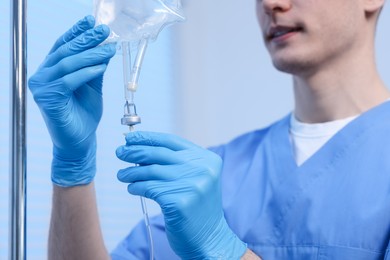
(184, 179)
(68, 90)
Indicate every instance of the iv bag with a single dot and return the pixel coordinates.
(133, 20)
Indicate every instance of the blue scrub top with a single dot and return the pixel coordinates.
(334, 206)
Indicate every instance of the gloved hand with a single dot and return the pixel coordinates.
(68, 90)
(184, 179)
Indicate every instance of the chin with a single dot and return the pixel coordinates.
(293, 66)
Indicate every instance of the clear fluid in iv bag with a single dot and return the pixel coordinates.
(132, 20)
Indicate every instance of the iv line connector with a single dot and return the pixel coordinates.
(130, 117)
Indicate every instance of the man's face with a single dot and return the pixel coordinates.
(305, 35)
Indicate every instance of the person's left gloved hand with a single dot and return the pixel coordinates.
(184, 179)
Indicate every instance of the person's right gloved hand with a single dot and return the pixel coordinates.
(68, 90)
(185, 180)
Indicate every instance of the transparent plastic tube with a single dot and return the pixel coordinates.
(130, 80)
(131, 73)
(146, 220)
(127, 70)
(148, 228)
(133, 86)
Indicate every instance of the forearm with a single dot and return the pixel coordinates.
(249, 255)
(75, 229)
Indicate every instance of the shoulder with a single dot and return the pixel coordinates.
(248, 141)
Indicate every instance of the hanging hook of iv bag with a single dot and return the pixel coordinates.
(133, 20)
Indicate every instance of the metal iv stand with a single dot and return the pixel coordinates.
(17, 208)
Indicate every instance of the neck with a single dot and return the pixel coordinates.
(339, 90)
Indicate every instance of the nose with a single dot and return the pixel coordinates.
(274, 6)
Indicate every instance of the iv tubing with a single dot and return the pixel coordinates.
(146, 219)
(126, 69)
(143, 44)
(148, 229)
(130, 78)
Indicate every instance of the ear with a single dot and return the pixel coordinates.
(372, 6)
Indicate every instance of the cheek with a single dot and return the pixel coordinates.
(261, 17)
(338, 28)
(344, 17)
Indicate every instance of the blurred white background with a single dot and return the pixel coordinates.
(208, 79)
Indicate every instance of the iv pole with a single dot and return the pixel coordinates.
(17, 228)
